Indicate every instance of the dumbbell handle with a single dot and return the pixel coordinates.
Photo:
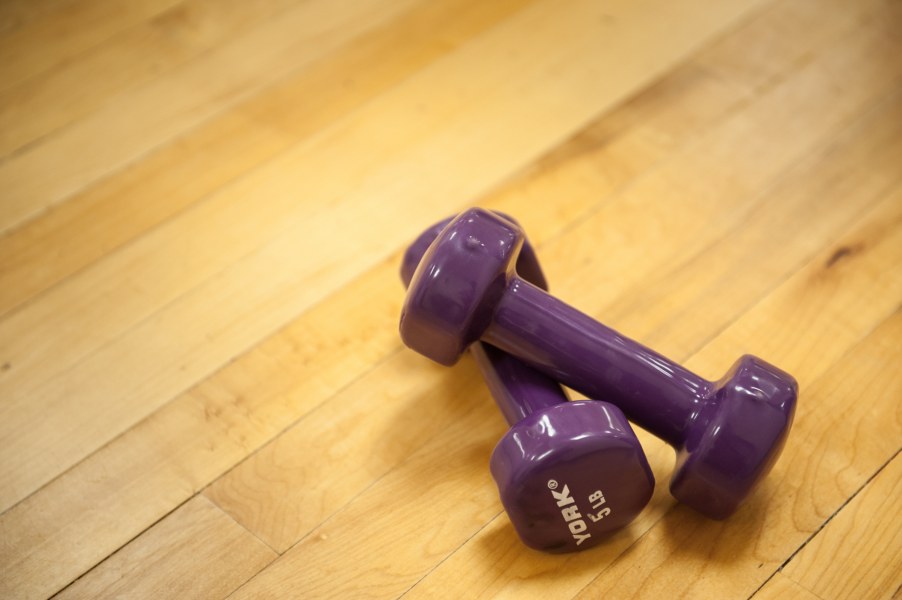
(578, 351)
(518, 390)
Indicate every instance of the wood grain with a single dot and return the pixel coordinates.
(165, 561)
(31, 110)
(783, 587)
(138, 478)
(43, 34)
(202, 390)
(122, 207)
(858, 554)
(169, 106)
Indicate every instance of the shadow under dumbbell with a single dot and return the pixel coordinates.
(716, 542)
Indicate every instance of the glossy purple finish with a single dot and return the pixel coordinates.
(527, 262)
(568, 473)
(727, 434)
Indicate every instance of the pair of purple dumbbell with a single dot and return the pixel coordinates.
(571, 472)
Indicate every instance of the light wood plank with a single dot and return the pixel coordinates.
(781, 587)
(139, 477)
(42, 38)
(139, 120)
(859, 553)
(342, 182)
(281, 495)
(261, 492)
(375, 62)
(836, 184)
(107, 215)
(15, 14)
(405, 523)
(785, 29)
(32, 111)
(195, 552)
(780, 129)
(194, 439)
(74, 234)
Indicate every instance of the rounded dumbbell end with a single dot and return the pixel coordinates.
(571, 474)
(737, 438)
(456, 285)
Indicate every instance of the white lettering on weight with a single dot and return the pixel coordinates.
(597, 500)
(571, 514)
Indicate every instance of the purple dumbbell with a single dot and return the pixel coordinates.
(568, 472)
(727, 434)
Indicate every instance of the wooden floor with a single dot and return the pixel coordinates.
(203, 205)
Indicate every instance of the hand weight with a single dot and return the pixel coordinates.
(727, 434)
(567, 472)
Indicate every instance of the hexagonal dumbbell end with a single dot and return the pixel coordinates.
(571, 474)
(454, 289)
(735, 440)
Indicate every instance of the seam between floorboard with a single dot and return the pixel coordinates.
(824, 524)
(331, 516)
(231, 517)
(200, 491)
(174, 7)
(449, 555)
(126, 543)
(68, 58)
(239, 100)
